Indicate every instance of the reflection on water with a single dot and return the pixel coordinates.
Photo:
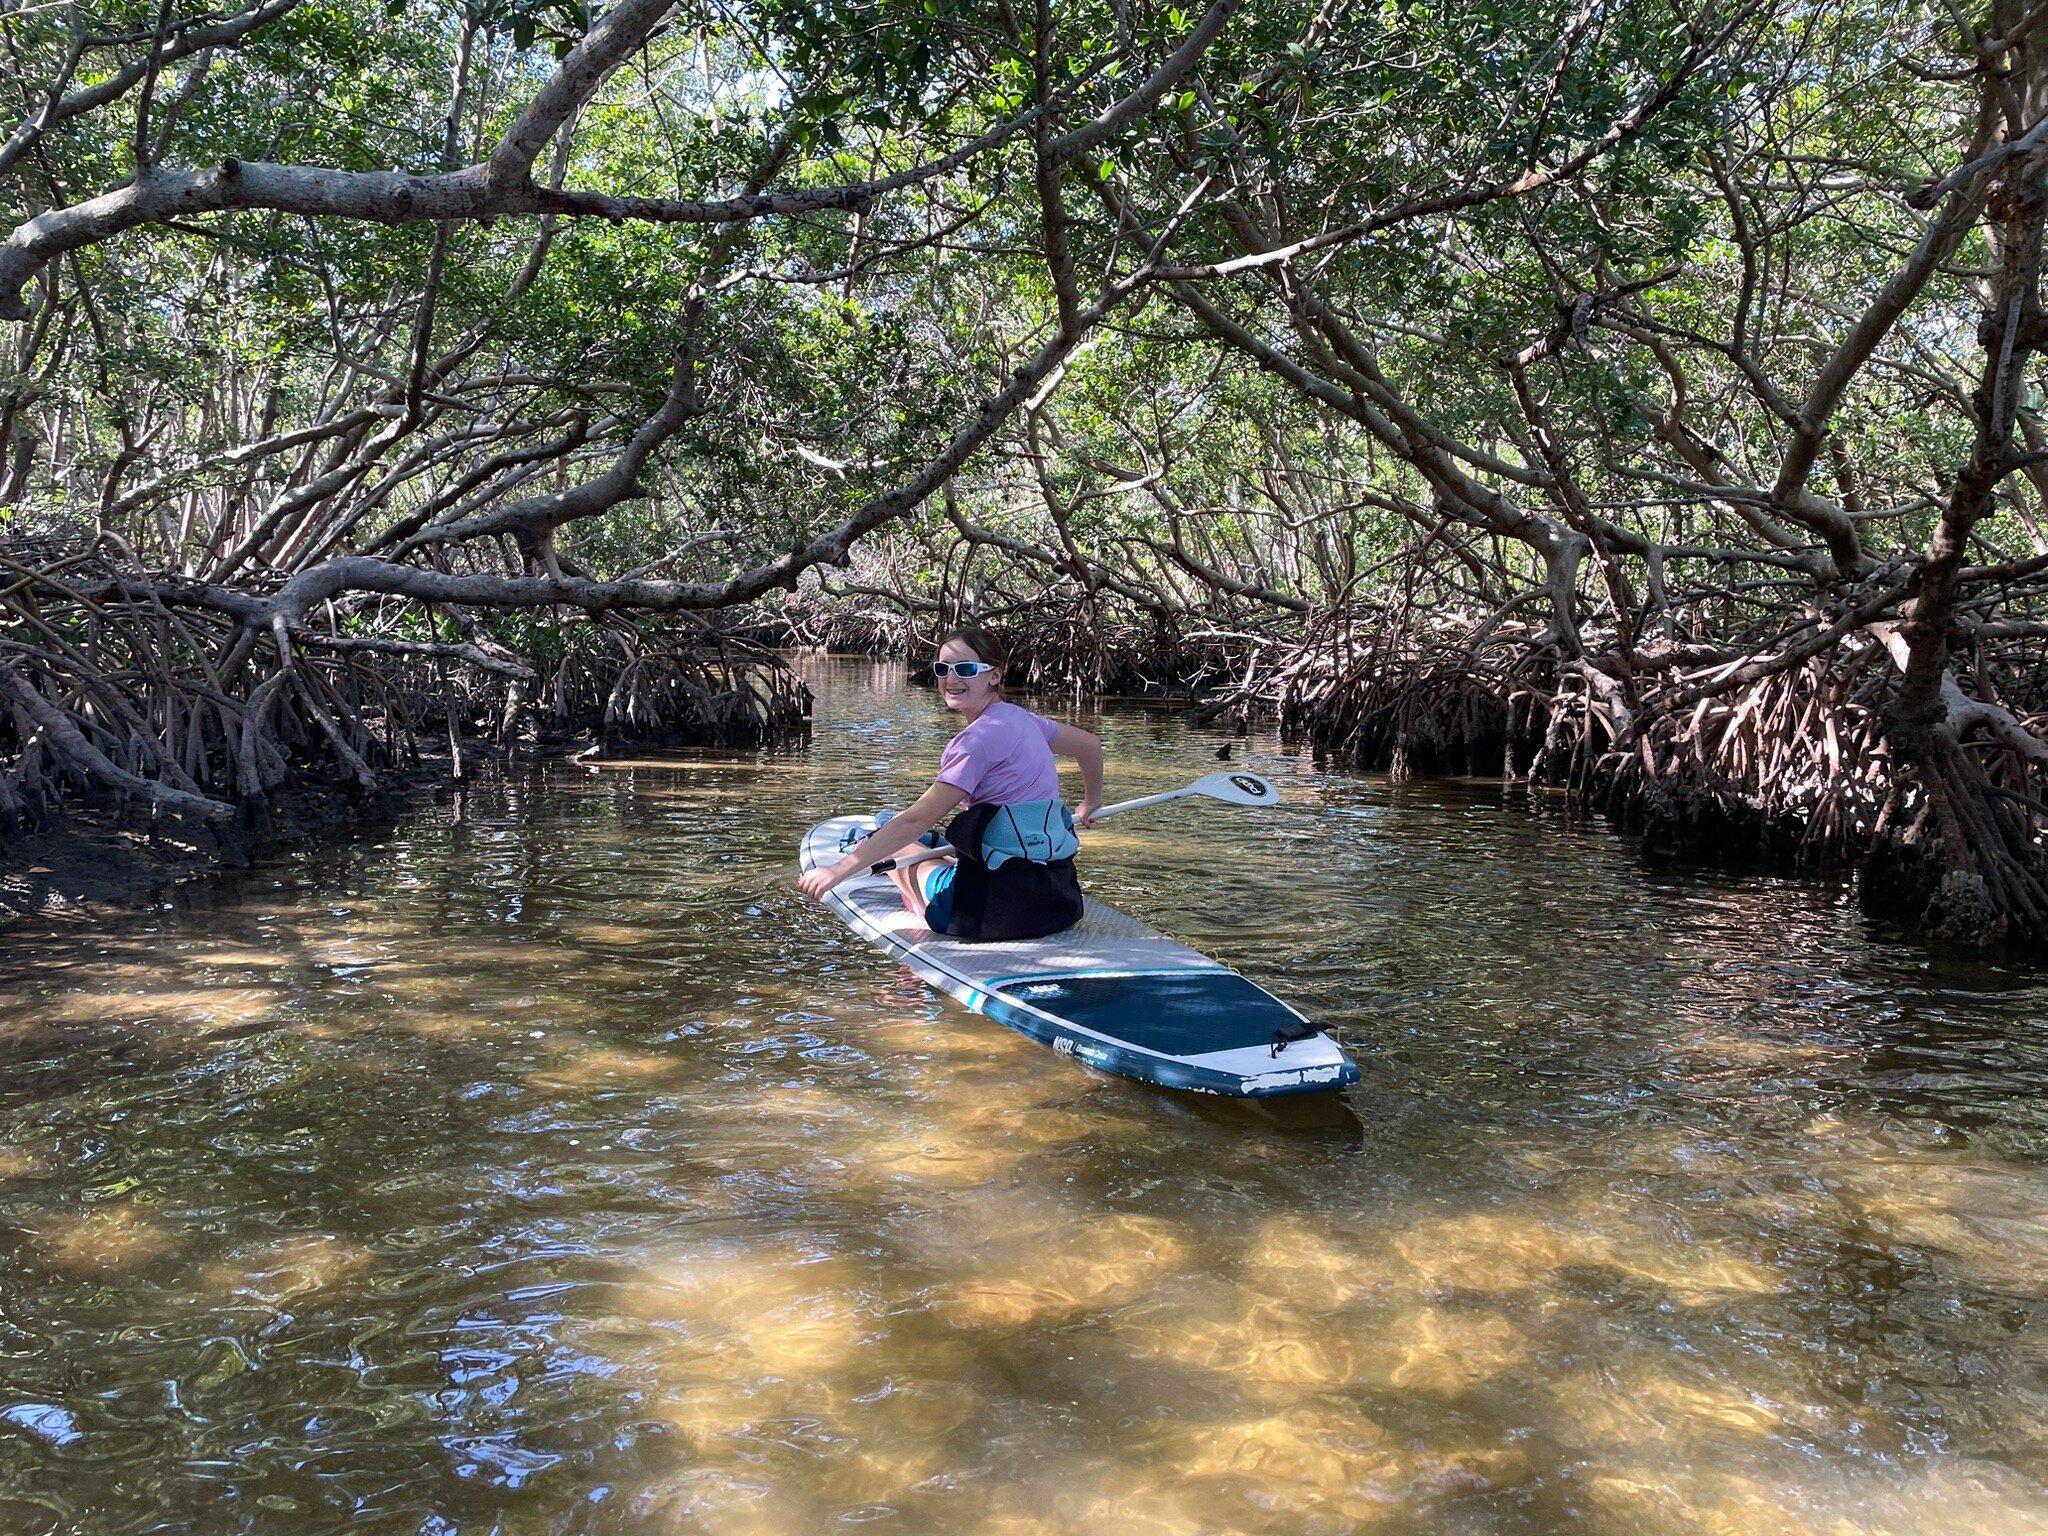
(552, 1166)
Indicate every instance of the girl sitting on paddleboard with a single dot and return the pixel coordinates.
(1014, 844)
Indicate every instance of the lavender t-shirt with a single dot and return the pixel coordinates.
(1004, 757)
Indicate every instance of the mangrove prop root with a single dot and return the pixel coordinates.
(137, 702)
(1948, 829)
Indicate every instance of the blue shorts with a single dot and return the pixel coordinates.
(938, 897)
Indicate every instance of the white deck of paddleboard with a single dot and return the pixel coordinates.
(1106, 942)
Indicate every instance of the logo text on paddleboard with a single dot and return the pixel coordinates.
(1248, 784)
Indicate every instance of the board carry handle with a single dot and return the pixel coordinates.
(1230, 788)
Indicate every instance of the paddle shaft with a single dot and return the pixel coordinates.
(1139, 804)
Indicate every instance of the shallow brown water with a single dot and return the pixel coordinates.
(552, 1166)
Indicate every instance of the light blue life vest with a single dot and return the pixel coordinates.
(1041, 831)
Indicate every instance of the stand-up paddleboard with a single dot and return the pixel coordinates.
(1117, 994)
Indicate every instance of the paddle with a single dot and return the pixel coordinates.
(1230, 788)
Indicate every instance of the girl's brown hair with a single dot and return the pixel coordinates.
(985, 646)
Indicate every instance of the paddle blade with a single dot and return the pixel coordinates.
(1237, 789)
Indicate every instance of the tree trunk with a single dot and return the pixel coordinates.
(1994, 885)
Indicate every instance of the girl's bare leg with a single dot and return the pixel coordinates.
(910, 886)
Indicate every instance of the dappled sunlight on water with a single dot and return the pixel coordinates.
(279, 1269)
(1982, 1217)
(1982, 1500)
(552, 1166)
(1322, 1466)
(1059, 1271)
(111, 1236)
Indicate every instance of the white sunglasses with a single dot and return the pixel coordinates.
(961, 668)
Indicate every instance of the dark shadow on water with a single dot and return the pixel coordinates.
(1313, 1115)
